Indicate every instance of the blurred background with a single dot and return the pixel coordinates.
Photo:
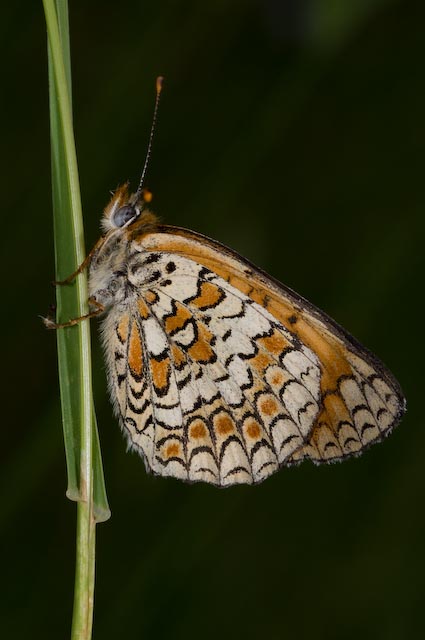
(293, 131)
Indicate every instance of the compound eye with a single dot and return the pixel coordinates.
(123, 215)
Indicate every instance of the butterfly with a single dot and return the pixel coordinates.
(218, 372)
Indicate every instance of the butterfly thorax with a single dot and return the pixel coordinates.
(108, 272)
(121, 270)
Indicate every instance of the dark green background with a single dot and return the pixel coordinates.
(293, 132)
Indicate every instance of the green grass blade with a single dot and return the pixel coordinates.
(85, 475)
(73, 343)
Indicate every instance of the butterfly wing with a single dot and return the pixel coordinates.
(207, 383)
(359, 400)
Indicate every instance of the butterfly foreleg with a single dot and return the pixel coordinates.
(85, 263)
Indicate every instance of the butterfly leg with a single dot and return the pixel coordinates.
(51, 324)
(83, 265)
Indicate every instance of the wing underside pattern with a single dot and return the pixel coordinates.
(218, 377)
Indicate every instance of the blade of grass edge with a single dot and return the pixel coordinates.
(73, 345)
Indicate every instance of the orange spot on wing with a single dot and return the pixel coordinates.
(123, 328)
(275, 344)
(210, 295)
(253, 429)
(198, 430)
(143, 309)
(259, 296)
(277, 377)
(178, 355)
(135, 354)
(201, 350)
(150, 296)
(223, 424)
(172, 450)
(178, 319)
(269, 406)
(160, 370)
(261, 362)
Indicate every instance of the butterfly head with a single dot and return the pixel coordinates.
(125, 215)
(125, 208)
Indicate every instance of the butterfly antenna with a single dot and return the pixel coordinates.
(159, 82)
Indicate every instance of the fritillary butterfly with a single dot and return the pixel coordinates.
(217, 372)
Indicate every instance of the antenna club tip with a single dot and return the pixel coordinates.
(159, 83)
